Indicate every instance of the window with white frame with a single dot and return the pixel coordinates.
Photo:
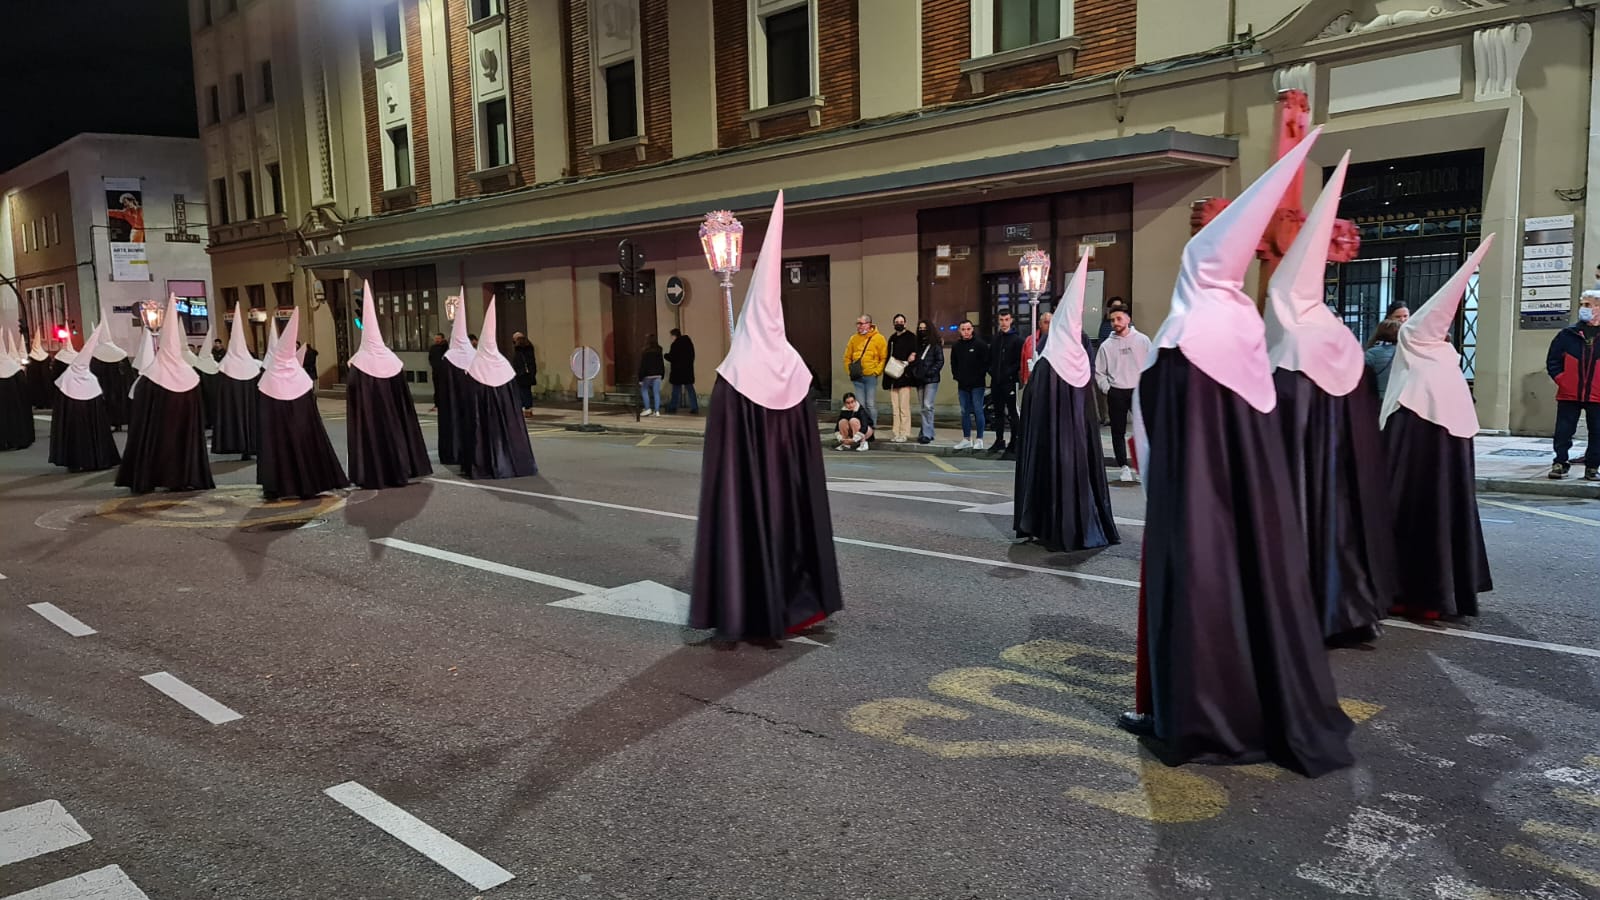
(494, 144)
(397, 158)
(1002, 25)
(783, 51)
(483, 9)
(386, 34)
(616, 69)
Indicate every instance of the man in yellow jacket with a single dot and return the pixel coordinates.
(864, 356)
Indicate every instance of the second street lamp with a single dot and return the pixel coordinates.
(1035, 271)
(722, 238)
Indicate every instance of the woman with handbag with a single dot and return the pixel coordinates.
(924, 373)
(898, 379)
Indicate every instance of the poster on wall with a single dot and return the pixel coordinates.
(125, 227)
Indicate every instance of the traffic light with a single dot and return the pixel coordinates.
(61, 333)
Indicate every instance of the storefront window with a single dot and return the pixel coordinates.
(404, 302)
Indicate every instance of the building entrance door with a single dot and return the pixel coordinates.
(633, 318)
(510, 310)
(806, 318)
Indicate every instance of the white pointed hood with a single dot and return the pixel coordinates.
(205, 363)
(489, 368)
(237, 363)
(373, 358)
(10, 362)
(168, 369)
(107, 350)
(1213, 322)
(1426, 374)
(285, 378)
(36, 352)
(761, 364)
(1066, 355)
(461, 350)
(1303, 334)
(77, 382)
(300, 354)
(272, 341)
(66, 354)
(146, 353)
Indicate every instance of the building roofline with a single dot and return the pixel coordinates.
(90, 137)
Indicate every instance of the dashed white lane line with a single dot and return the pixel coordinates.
(196, 702)
(460, 559)
(894, 548)
(437, 846)
(37, 829)
(1495, 638)
(109, 883)
(61, 619)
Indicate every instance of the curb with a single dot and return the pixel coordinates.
(1582, 490)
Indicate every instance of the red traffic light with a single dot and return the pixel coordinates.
(61, 332)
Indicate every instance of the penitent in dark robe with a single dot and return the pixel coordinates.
(385, 447)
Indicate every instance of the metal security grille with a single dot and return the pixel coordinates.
(1408, 271)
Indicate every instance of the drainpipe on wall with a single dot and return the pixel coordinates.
(1591, 205)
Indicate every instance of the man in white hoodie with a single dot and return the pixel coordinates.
(1116, 370)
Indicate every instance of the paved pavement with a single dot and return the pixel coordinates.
(480, 690)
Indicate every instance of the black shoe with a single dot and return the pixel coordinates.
(1010, 455)
(1590, 473)
(1559, 471)
(1137, 723)
(997, 448)
(924, 440)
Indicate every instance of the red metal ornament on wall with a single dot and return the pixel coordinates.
(1293, 123)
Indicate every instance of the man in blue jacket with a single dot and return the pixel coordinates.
(1571, 363)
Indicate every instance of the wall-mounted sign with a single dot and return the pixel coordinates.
(1545, 300)
(283, 313)
(1019, 232)
(677, 291)
(942, 251)
(1099, 240)
(125, 229)
(1546, 251)
(1564, 264)
(941, 270)
(1020, 249)
(1549, 223)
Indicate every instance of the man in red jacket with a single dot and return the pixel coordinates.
(1573, 354)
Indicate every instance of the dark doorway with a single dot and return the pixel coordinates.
(337, 296)
(806, 318)
(633, 318)
(510, 310)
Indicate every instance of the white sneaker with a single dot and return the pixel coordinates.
(977, 444)
(644, 413)
(966, 444)
(899, 440)
(862, 448)
(1127, 475)
(841, 447)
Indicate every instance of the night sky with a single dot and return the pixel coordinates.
(70, 66)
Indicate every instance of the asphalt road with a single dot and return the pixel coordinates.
(458, 651)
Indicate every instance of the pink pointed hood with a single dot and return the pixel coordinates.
(373, 358)
(461, 350)
(285, 378)
(1213, 322)
(272, 341)
(1426, 374)
(168, 369)
(761, 364)
(1303, 334)
(489, 368)
(1065, 352)
(78, 382)
(237, 363)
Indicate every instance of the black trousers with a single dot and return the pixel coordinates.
(1003, 397)
(1119, 402)
(1567, 414)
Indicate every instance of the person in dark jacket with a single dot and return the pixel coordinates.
(1572, 365)
(969, 363)
(436, 365)
(652, 367)
(1005, 360)
(527, 368)
(925, 373)
(310, 362)
(902, 347)
(681, 355)
(1380, 353)
(217, 350)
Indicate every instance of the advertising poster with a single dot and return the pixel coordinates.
(125, 221)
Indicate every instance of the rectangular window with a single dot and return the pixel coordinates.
(1023, 23)
(219, 196)
(214, 105)
(257, 295)
(238, 94)
(266, 81)
(483, 9)
(33, 234)
(230, 299)
(283, 293)
(788, 36)
(275, 185)
(622, 102)
(400, 149)
(55, 229)
(495, 146)
(247, 190)
(389, 29)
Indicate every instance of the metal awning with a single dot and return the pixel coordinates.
(1135, 154)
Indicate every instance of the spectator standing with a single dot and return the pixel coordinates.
(969, 363)
(1572, 364)
(681, 355)
(925, 373)
(1030, 353)
(1115, 304)
(902, 351)
(1005, 359)
(864, 357)
(652, 366)
(526, 367)
(436, 366)
(1117, 367)
(1380, 353)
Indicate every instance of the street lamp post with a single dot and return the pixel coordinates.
(151, 313)
(1035, 271)
(722, 238)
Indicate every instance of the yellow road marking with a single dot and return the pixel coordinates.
(1561, 832)
(977, 684)
(648, 440)
(939, 462)
(1555, 866)
(230, 506)
(1163, 795)
(1359, 710)
(1052, 656)
(1541, 512)
(551, 431)
(1577, 796)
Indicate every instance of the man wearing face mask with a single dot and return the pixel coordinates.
(1572, 364)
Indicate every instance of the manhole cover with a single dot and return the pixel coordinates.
(288, 525)
(1527, 453)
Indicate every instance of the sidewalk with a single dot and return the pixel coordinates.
(1516, 465)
